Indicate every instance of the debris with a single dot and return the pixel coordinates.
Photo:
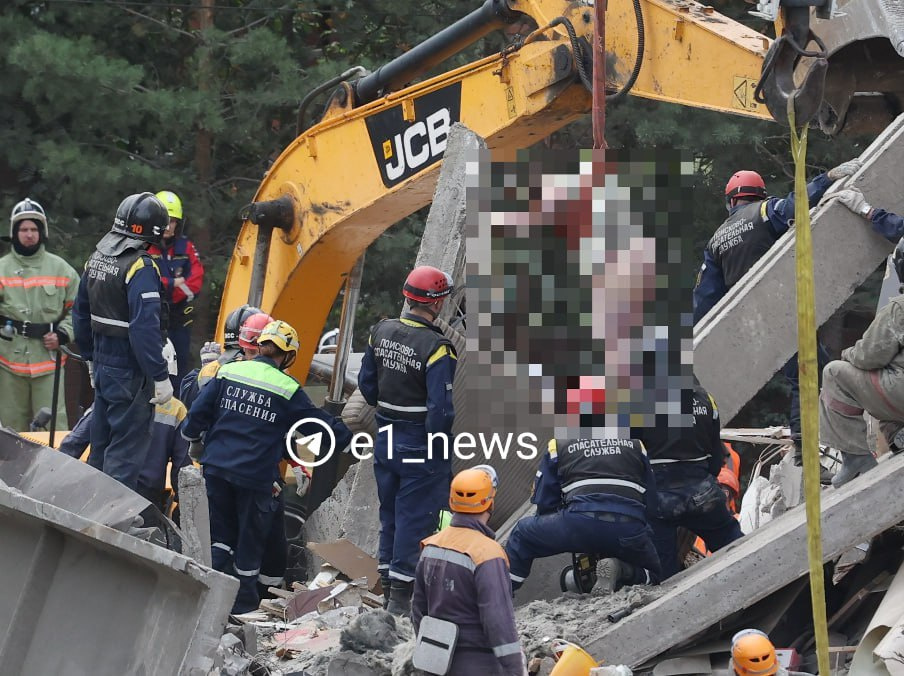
(753, 568)
(194, 514)
(375, 630)
(349, 559)
(306, 601)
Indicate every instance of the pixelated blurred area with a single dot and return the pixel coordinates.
(580, 319)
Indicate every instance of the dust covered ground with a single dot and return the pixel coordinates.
(385, 643)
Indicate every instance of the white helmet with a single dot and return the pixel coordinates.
(169, 356)
(28, 210)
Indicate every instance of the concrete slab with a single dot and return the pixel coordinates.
(194, 512)
(80, 598)
(758, 319)
(754, 567)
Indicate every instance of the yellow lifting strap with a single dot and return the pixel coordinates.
(809, 388)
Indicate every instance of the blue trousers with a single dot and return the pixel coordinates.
(121, 423)
(276, 550)
(412, 489)
(694, 501)
(569, 530)
(240, 523)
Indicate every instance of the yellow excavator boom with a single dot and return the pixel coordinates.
(362, 168)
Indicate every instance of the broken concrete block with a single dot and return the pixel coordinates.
(754, 567)
(63, 570)
(194, 515)
(349, 513)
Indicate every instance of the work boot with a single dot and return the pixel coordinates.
(400, 598)
(386, 583)
(852, 466)
(611, 574)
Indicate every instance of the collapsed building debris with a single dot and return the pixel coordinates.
(754, 567)
(70, 579)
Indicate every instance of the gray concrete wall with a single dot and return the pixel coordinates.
(757, 319)
(79, 598)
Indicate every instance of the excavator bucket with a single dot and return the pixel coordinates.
(778, 88)
(864, 85)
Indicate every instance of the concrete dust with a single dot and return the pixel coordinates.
(385, 642)
(577, 618)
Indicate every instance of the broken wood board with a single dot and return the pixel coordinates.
(349, 559)
(754, 567)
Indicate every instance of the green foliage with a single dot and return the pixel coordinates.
(102, 99)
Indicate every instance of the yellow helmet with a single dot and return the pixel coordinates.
(281, 334)
(752, 654)
(172, 203)
(473, 490)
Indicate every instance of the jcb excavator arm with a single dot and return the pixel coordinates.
(340, 184)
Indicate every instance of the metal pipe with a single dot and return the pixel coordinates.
(492, 15)
(267, 215)
(259, 268)
(346, 330)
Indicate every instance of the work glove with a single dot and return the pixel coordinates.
(163, 391)
(90, 366)
(195, 449)
(302, 480)
(854, 200)
(210, 351)
(848, 168)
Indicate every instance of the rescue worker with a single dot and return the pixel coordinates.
(686, 462)
(117, 325)
(37, 290)
(188, 388)
(592, 495)
(167, 447)
(753, 654)
(183, 277)
(241, 330)
(407, 373)
(886, 223)
(866, 378)
(755, 222)
(463, 577)
(244, 415)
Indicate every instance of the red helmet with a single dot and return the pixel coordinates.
(745, 184)
(426, 284)
(252, 328)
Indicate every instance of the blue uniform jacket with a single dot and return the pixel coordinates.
(548, 498)
(440, 374)
(779, 212)
(142, 350)
(245, 415)
(887, 224)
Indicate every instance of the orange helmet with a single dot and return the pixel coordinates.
(473, 490)
(752, 654)
(747, 184)
(251, 329)
(728, 479)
